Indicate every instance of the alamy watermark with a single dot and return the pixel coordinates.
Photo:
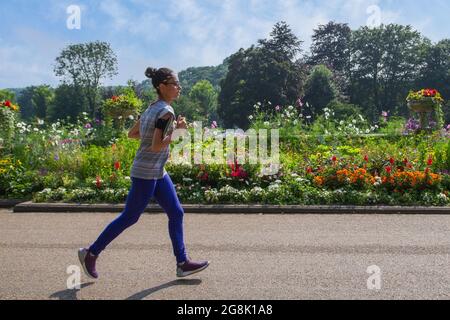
(73, 21)
(374, 281)
(374, 20)
(214, 146)
(74, 280)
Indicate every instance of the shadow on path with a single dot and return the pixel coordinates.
(141, 295)
(69, 294)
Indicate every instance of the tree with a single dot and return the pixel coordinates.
(331, 46)
(385, 63)
(84, 66)
(7, 95)
(319, 89)
(262, 73)
(42, 98)
(26, 103)
(204, 95)
(69, 101)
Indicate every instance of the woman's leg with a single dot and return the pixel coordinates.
(138, 198)
(167, 198)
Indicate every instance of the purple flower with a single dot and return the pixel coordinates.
(56, 157)
(88, 126)
(97, 121)
(448, 127)
(299, 103)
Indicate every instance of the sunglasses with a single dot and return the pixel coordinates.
(176, 83)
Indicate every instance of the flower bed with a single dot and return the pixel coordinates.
(319, 164)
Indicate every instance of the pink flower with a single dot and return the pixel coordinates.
(214, 125)
(88, 126)
(277, 108)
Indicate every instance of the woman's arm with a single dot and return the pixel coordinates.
(134, 132)
(160, 142)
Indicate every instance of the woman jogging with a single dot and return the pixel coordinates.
(149, 178)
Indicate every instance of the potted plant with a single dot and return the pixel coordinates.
(119, 108)
(424, 102)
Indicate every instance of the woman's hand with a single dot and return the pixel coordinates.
(181, 123)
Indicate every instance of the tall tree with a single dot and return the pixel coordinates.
(42, 98)
(331, 46)
(266, 72)
(385, 62)
(84, 66)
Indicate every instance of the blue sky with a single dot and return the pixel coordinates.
(180, 33)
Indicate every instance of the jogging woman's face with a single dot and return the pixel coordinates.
(171, 88)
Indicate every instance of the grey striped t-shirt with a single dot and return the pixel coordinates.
(147, 164)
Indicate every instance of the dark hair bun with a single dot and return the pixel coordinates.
(150, 72)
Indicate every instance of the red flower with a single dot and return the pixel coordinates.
(309, 170)
(334, 159)
(8, 103)
(388, 170)
(117, 165)
(115, 98)
(430, 161)
(392, 160)
(405, 161)
(98, 182)
(204, 177)
(427, 170)
(366, 158)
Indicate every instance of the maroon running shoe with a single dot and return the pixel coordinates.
(87, 260)
(190, 267)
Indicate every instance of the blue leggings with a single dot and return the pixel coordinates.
(138, 198)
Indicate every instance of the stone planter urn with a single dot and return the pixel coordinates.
(423, 108)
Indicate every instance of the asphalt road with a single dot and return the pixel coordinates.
(252, 257)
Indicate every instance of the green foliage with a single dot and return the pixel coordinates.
(331, 46)
(85, 65)
(118, 108)
(319, 89)
(265, 72)
(204, 95)
(7, 95)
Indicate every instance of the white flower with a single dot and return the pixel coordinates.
(84, 113)
(131, 117)
(250, 117)
(354, 121)
(361, 117)
(342, 122)
(40, 122)
(35, 129)
(267, 123)
(120, 117)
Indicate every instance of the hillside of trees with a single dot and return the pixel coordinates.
(368, 69)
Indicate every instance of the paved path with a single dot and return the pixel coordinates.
(253, 257)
